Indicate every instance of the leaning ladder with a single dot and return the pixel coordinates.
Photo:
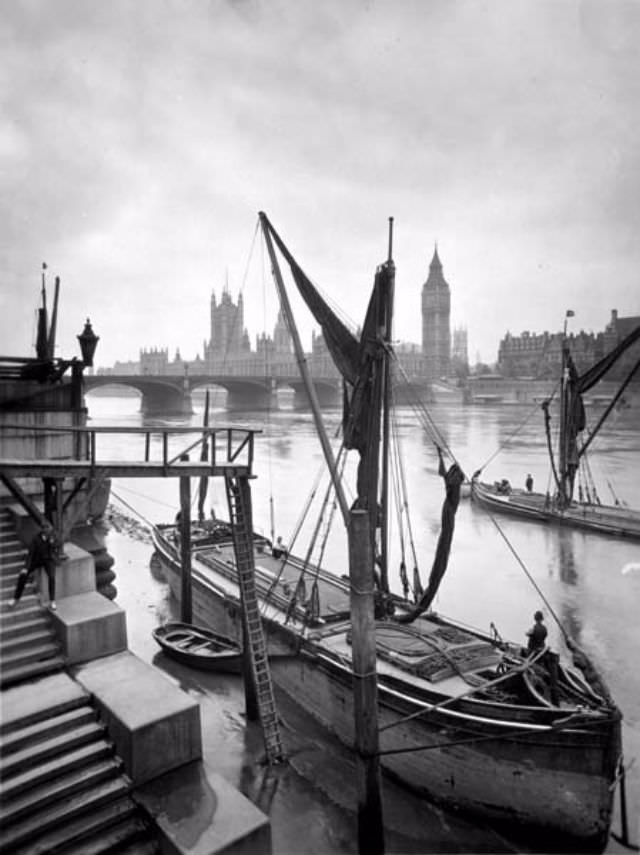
(239, 500)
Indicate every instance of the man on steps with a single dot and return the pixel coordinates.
(42, 553)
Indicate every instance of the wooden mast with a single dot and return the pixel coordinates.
(304, 371)
(386, 409)
(361, 576)
(51, 339)
(563, 452)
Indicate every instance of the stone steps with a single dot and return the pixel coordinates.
(29, 671)
(61, 765)
(17, 628)
(59, 788)
(62, 789)
(29, 662)
(28, 608)
(45, 750)
(19, 738)
(8, 585)
(28, 645)
(128, 837)
(20, 642)
(91, 802)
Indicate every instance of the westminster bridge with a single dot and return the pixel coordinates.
(249, 384)
(170, 394)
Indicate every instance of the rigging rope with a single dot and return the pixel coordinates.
(528, 575)
(400, 484)
(514, 432)
(132, 509)
(148, 498)
(418, 407)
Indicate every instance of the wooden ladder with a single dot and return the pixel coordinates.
(240, 517)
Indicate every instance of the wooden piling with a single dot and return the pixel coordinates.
(365, 687)
(186, 611)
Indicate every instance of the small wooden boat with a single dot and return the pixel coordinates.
(199, 647)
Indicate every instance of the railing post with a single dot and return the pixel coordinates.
(186, 610)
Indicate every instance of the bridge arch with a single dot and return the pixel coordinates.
(160, 396)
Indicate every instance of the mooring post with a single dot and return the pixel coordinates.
(185, 547)
(365, 687)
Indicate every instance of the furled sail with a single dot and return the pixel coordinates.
(359, 363)
(573, 407)
(343, 345)
(453, 479)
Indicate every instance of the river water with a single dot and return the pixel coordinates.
(590, 582)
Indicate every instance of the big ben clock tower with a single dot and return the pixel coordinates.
(436, 312)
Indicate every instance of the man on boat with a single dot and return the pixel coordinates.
(537, 635)
(529, 483)
(279, 550)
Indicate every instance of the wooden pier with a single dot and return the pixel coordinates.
(163, 453)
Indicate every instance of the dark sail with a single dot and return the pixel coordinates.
(359, 362)
(453, 479)
(573, 409)
(343, 345)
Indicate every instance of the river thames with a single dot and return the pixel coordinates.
(591, 582)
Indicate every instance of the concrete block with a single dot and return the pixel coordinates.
(154, 725)
(197, 812)
(89, 626)
(75, 575)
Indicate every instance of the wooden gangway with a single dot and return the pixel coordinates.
(152, 452)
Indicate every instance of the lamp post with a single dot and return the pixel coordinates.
(88, 341)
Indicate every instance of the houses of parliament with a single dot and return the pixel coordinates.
(442, 355)
(229, 343)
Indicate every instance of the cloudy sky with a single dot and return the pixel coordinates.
(139, 139)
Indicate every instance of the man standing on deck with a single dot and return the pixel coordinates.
(537, 635)
(42, 553)
(529, 483)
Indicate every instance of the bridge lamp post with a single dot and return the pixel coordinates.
(88, 342)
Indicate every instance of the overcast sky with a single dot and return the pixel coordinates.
(140, 138)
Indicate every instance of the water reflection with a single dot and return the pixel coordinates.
(565, 556)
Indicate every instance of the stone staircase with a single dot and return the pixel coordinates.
(62, 787)
(28, 644)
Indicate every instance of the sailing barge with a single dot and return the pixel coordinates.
(465, 718)
(570, 471)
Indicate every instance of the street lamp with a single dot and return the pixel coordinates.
(88, 342)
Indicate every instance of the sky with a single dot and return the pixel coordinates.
(140, 139)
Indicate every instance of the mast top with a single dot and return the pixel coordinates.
(390, 239)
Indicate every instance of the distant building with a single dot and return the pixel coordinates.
(282, 341)
(229, 338)
(436, 313)
(155, 360)
(460, 353)
(539, 355)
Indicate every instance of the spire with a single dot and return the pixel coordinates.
(436, 264)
